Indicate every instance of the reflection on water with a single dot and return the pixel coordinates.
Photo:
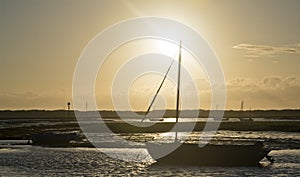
(212, 119)
(41, 161)
(4, 123)
(277, 140)
(26, 160)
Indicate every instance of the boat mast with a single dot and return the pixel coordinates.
(242, 110)
(178, 84)
(86, 106)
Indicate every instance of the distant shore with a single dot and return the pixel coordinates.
(278, 114)
(12, 130)
(20, 125)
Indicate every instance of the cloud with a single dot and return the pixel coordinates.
(269, 92)
(275, 82)
(245, 84)
(267, 83)
(255, 51)
(27, 95)
(32, 100)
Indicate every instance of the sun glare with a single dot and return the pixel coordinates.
(165, 47)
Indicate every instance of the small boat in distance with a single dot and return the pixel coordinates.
(242, 117)
(156, 119)
(52, 139)
(192, 154)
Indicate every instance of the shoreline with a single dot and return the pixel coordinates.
(11, 131)
(24, 131)
(67, 115)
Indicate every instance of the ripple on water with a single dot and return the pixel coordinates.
(40, 161)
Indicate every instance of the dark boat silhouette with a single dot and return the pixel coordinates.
(241, 117)
(52, 139)
(208, 155)
(211, 154)
(156, 119)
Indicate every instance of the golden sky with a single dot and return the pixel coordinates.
(257, 43)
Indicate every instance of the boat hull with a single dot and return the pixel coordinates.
(52, 139)
(211, 155)
(156, 119)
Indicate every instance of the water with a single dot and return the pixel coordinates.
(4, 123)
(42, 161)
(274, 139)
(27, 160)
(211, 119)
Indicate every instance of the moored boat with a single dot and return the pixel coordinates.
(207, 155)
(156, 119)
(211, 154)
(52, 139)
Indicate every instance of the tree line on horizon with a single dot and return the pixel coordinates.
(285, 113)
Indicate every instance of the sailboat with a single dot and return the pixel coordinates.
(242, 118)
(52, 138)
(209, 155)
(155, 119)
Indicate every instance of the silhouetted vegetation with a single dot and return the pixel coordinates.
(281, 114)
(21, 124)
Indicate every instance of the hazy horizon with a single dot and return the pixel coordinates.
(247, 110)
(257, 43)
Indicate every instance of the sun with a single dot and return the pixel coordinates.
(165, 47)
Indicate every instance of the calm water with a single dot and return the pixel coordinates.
(41, 161)
(26, 160)
(4, 123)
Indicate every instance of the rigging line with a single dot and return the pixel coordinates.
(155, 96)
(157, 91)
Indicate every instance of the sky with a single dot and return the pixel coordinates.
(257, 43)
